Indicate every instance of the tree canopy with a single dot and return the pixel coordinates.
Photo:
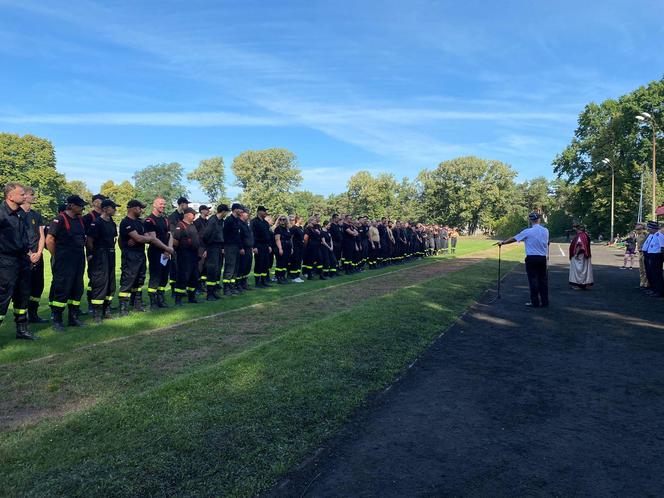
(211, 177)
(165, 179)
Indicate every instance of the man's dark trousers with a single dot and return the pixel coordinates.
(538, 280)
(653, 263)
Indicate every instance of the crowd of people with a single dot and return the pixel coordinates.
(182, 254)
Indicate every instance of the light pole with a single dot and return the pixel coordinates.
(640, 216)
(613, 193)
(645, 117)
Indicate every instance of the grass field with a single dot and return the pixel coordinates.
(224, 404)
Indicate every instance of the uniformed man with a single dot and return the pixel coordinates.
(88, 218)
(336, 232)
(384, 244)
(262, 248)
(66, 242)
(15, 259)
(247, 244)
(37, 243)
(132, 240)
(186, 243)
(173, 219)
(101, 235)
(349, 240)
(363, 240)
(652, 250)
(641, 237)
(200, 223)
(157, 223)
(213, 238)
(232, 249)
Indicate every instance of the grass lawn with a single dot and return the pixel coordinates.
(226, 404)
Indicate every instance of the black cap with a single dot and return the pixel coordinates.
(222, 207)
(534, 216)
(261, 208)
(183, 200)
(189, 210)
(652, 225)
(237, 205)
(61, 207)
(108, 203)
(75, 199)
(98, 196)
(135, 203)
(203, 207)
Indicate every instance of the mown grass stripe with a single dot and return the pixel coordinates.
(234, 427)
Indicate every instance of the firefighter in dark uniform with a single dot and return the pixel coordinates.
(295, 261)
(15, 259)
(363, 242)
(173, 219)
(232, 248)
(186, 243)
(37, 243)
(284, 248)
(312, 261)
(88, 218)
(246, 251)
(384, 251)
(349, 241)
(337, 234)
(200, 223)
(262, 248)
(132, 240)
(102, 233)
(213, 238)
(157, 223)
(66, 243)
(327, 251)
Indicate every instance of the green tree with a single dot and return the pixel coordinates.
(120, 193)
(211, 176)
(468, 191)
(78, 187)
(610, 130)
(409, 200)
(267, 177)
(306, 203)
(372, 196)
(163, 179)
(31, 160)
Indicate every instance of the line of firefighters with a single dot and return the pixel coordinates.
(185, 253)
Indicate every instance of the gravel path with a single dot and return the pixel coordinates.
(511, 401)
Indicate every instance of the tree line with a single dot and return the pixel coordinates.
(470, 192)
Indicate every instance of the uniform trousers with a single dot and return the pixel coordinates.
(538, 280)
(281, 270)
(231, 263)
(132, 272)
(186, 279)
(328, 260)
(295, 262)
(101, 271)
(337, 250)
(312, 258)
(245, 263)
(262, 260)
(158, 274)
(213, 264)
(14, 286)
(654, 271)
(67, 284)
(37, 280)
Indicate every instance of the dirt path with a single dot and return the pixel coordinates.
(511, 401)
(59, 384)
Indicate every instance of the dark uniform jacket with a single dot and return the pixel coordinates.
(34, 221)
(200, 223)
(231, 230)
(246, 235)
(261, 231)
(14, 238)
(337, 233)
(187, 237)
(128, 225)
(173, 219)
(160, 226)
(68, 232)
(214, 232)
(103, 233)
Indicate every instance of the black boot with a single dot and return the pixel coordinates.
(153, 296)
(33, 316)
(212, 293)
(73, 317)
(106, 311)
(138, 301)
(22, 332)
(191, 295)
(322, 276)
(178, 299)
(161, 299)
(245, 285)
(266, 281)
(227, 290)
(236, 288)
(56, 313)
(257, 282)
(97, 313)
(124, 306)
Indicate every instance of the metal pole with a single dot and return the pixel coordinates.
(654, 168)
(640, 217)
(613, 195)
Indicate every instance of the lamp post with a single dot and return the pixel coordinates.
(645, 117)
(613, 193)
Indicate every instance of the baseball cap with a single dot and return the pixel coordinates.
(135, 203)
(237, 205)
(109, 203)
(182, 200)
(98, 196)
(653, 225)
(222, 207)
(534, 216)
(75, 199)
(261, 208)
(189, 210)
(203, 207)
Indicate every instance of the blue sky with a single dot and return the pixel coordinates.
(384, 86)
